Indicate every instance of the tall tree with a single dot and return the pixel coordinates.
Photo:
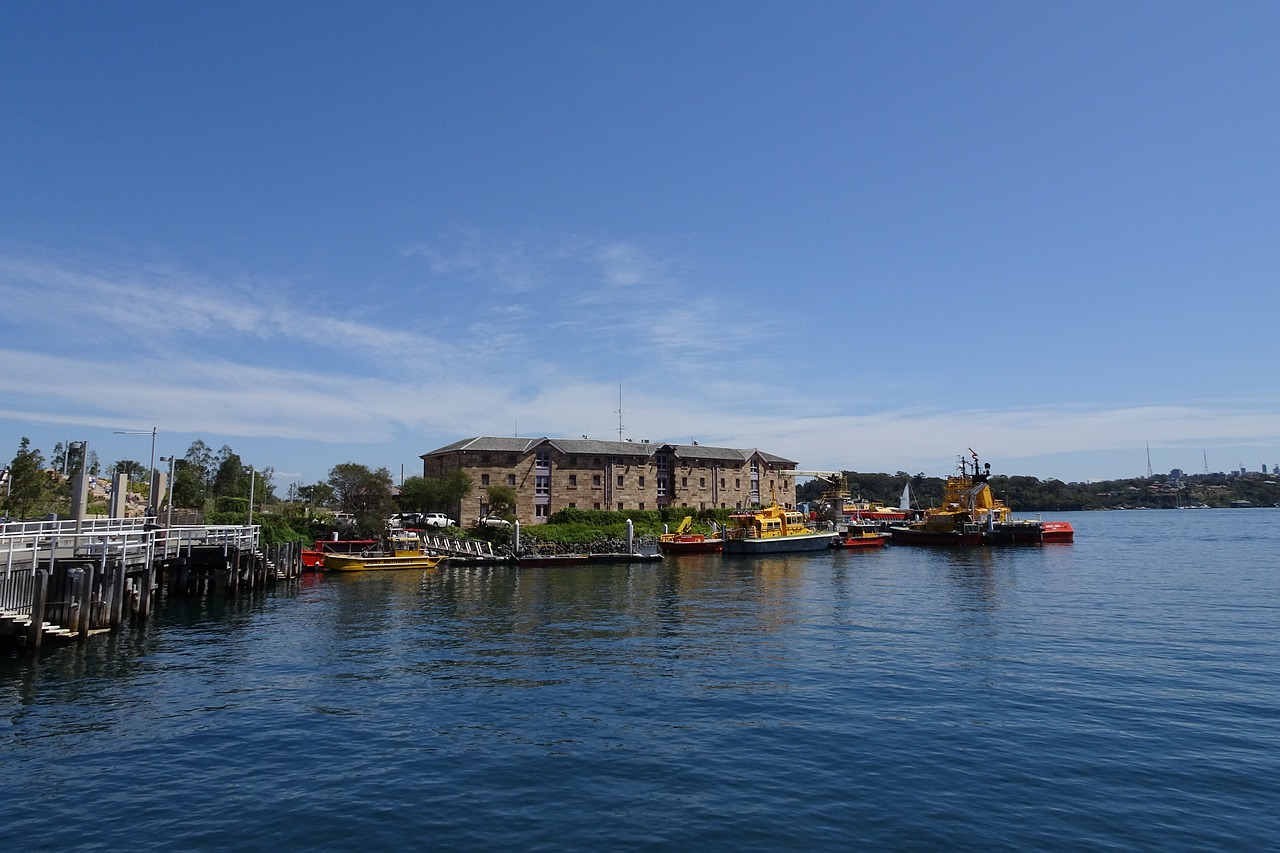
(231, 479)
(264, 486)
(364, 493)
(135, 471)
(188, 484)
(317, 494)
(200, 458)
(435, 494)
(28, 485)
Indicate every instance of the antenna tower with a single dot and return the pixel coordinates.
(1148, 460)
(620, 427)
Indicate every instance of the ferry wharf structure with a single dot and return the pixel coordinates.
(65, 580)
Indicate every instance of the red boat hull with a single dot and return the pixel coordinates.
(1058, 531)
(859, 543)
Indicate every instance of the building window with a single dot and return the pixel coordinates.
(662, 487)
(642, 505)
(642, 481)
(702, 484)
(540, 510)
(596, 505)
(543, 459)
(542, 485)
(619, 480)
(573, 505)
(684, 482)
(722, 485)
(511, 479)
(573, 481)
(484, 479)
(595, 481)
(620, 505)
(737, 483)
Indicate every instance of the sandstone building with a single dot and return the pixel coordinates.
(549, 474)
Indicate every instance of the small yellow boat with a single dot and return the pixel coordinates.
(404, 551)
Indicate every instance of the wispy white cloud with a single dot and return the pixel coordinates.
(174, 351)
(159, 308)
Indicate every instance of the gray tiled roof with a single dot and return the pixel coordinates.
(598, 447)
(488, 443)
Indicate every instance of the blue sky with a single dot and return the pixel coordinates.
(860, 235)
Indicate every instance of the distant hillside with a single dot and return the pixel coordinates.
(1029, 494)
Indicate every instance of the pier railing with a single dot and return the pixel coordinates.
(69, 578)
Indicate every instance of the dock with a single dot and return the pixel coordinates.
(66, 580)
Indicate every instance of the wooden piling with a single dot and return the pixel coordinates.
(35, 633)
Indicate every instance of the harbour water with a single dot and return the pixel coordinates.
(1119, 693)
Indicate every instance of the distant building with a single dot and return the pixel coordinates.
(550, 474)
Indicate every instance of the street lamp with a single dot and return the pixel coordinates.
(151, 508)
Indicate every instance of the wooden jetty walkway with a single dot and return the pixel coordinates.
(65, 580)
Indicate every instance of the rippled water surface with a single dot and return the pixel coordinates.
(1119, 693)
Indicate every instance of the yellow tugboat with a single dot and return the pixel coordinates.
(773, 530)
(971, 515)
(404, 551)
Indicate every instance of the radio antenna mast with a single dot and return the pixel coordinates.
(1148, 460)
(620, 412)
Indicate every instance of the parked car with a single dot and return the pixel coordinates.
(493, 521)
(437, 519)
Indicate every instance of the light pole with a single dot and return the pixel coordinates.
(151, 508)
(168, 521)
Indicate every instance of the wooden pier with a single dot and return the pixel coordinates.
(66, 580)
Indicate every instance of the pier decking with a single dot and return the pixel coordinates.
(65, 580)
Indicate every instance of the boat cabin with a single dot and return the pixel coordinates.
(769, 522)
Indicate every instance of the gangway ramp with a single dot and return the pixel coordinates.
(461, 550)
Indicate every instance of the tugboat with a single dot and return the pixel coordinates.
(773, 530)
(860, 537)
(971, 515)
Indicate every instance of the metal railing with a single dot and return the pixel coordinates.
(458, 547)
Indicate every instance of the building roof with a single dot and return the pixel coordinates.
(597, 447)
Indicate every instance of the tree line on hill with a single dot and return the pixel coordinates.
(1030, 494)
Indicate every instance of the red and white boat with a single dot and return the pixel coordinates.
(1057, 531)
(684, 542)
(861, 537)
